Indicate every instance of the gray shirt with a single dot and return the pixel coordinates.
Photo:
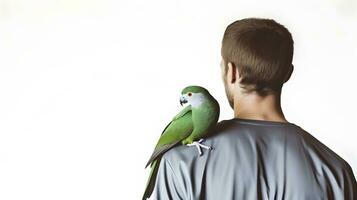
(255, 159)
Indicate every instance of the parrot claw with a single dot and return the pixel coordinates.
(199, 146)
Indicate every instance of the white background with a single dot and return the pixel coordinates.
(86, 86)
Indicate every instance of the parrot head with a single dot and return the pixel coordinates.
(194, 95)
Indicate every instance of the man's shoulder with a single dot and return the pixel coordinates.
(328, 157)
(328, 164)
(229, 135)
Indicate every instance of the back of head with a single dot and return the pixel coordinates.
(262, 50)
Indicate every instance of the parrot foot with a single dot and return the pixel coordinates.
(199, 146)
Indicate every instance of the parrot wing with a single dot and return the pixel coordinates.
(178, 129)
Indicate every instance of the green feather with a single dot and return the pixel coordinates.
(178, 129)
(194, 89)
(189, 124)
(152, 179)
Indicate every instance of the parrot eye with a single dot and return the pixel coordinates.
(189, 94)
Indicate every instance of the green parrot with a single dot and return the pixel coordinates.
(192, 123)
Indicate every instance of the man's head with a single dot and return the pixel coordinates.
(256, 57)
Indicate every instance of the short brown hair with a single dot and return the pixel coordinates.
(262, 50)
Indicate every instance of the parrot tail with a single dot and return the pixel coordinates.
(152, 178)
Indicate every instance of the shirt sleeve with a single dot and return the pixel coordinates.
(167, 185)
(350, 184)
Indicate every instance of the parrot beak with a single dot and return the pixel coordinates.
(182, 100)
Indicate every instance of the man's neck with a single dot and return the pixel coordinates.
(253, 106)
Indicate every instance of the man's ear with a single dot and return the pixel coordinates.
(288, 75)
(232, 72)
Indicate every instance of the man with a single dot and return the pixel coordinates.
(258, 154)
